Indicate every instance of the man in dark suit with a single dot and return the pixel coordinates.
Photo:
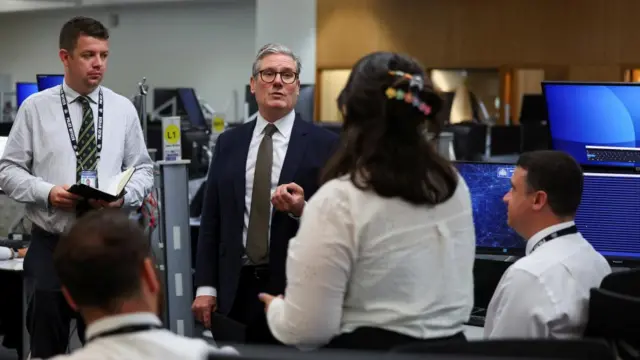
(258, 180)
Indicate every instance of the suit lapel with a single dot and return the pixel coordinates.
(239, 165)
(295, 151)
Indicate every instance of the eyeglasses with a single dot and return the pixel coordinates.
(269, 76)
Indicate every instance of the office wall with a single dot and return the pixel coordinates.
(275, 22)
(599, 34)
(206, 46)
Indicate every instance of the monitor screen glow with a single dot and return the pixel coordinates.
(48, 81)
(608, 216)
(192, 107)
(597, 123)
(24, 90)
(488, 183)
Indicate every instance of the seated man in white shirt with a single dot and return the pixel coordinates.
(107, 275)
(546, 293)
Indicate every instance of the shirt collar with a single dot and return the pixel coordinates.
(72, 95)
(544, 232)
(110, 323)
(284, 124)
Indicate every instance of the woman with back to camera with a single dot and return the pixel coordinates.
(384, 254)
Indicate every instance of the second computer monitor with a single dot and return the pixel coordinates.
(24, 90)
(191, 106)
(488, 183)
(46, 81)
(597, 123)
(609, 214)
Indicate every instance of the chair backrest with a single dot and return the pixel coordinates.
(548, 349)
(613, 316)
(469, 140)
(626, 282)
(505, 140)
(535, 136)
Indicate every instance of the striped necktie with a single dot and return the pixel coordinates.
(87, 158)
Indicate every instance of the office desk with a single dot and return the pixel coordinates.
(14, 267)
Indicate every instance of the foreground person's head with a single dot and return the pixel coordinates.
(105, 268)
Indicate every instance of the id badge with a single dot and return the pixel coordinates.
(89, 178)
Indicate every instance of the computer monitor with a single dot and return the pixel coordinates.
(488, 183)
(609, 214)
(192, 107)
(46, 81)
(533, 109)
(597, 123)
(24, 90)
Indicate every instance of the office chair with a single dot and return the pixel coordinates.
(505, 140)
(615, 318)
(469, 140)
(623, 282)
(614, 313)
(517, 349)
(282, 353)
(535, 136)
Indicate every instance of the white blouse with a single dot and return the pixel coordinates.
(362, 260)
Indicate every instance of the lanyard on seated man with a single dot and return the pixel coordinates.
(554, 235)
(129, 329)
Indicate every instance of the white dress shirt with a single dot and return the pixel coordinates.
(546, 293)
(361, 260)
(38, 154)
(281, 140)
(156, 344)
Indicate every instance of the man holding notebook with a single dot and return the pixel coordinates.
(64, 138)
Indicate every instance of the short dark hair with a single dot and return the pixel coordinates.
(100, 259)
(74, 28)
(384, 145)
(557, 174)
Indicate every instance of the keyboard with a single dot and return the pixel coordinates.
(613, 154)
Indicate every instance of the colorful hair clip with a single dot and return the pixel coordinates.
(415, 81)
(391, 93)
(408, 97)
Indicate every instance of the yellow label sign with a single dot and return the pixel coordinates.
(172, 134)
(218, 124)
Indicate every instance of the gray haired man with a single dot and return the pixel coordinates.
(258, 181)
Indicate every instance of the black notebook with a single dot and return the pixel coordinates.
(110, 193)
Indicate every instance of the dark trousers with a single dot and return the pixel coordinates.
(48, 313)
(248, 309)
(376, 339)
(11, 310)
(49, 324)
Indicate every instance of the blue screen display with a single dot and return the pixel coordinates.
(24, 90)
(192, 107)
(603, 118)
(488, 184)
(609, 214)
(48, 81)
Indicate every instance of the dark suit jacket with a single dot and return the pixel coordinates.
(220, 244)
